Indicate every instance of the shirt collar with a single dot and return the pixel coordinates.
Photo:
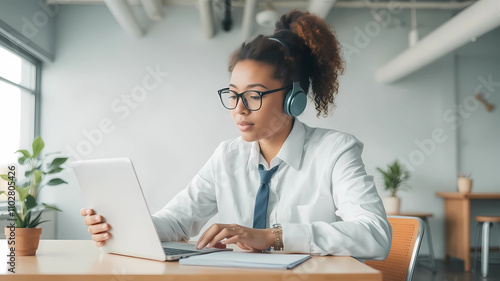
(291, 151)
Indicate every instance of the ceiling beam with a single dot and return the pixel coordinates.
(207, 17)
(467, 25)
(125, 17)
(248, 18)
(153, 8)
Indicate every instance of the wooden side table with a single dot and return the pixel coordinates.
(457, 211)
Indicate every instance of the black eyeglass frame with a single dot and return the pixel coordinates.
(238, 96)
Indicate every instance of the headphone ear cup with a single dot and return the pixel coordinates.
(286, 103)
(295, 101)
(298, 103)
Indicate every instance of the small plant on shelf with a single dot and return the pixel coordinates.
(394, 180)
(394, 177)
(464, 183)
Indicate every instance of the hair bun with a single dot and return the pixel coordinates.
(286, 20)
(326, 64)
(313, 30)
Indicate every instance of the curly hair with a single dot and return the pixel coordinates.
(312, 56)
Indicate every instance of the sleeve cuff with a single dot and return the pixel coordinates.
(296, 238)
(159, 229)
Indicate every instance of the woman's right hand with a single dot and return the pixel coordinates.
(97, 226)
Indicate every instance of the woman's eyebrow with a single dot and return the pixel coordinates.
(250, 86)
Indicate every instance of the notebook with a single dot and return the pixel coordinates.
(247, 259)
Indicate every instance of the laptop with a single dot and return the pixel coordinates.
(111, 188)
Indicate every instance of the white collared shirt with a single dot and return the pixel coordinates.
(320, 194)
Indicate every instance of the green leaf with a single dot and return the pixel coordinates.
(38, 176)
(23, 192)
(33, 225)
(58, 161)
(34, 222)
(37, 217)
(30, 202)
(25, 153)
(19, 221)
(56, 170)
(28, 173)
(394, 177)
(7, 178)
(27, 218)
(37, 146)
(52, 207)
(56, 181)
(22, 160)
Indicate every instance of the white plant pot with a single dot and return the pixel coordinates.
(464, 185)
(392, 205)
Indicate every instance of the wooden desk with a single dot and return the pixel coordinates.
(79, 260)
(457, 216)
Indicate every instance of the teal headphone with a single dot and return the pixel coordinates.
(295, 99)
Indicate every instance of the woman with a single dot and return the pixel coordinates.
(281, 184)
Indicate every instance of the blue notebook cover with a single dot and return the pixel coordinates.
(239, 259)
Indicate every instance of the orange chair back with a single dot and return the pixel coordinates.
(407, 235)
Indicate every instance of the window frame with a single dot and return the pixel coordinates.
(18, 50)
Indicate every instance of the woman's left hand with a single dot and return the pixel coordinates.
(244, 237)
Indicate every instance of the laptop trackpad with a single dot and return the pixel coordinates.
(190, 247)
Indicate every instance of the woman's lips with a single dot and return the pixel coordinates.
(244, 126)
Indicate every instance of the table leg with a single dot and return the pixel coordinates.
(466, 231)
(485, 249)
(429, 243)
(457, 215)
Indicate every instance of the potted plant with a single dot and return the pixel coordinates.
(464, 183)
(394, 179)
(23, 228)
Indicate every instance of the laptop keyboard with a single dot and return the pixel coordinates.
(173, 251)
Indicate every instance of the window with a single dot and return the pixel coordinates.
(19, 104)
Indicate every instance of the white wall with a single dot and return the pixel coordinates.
(175, 128)
(478, 71)
(478, 129)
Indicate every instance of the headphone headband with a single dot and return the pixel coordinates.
(285, 47)
(279, 41)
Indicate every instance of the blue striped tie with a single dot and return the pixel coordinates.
(260, 211)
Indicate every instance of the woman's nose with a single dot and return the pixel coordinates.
(241, 108)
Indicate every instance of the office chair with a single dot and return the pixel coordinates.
(430, 262)
(407, 235)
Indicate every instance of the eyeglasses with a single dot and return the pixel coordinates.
(251, 99)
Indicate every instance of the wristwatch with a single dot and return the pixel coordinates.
(278, 242)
